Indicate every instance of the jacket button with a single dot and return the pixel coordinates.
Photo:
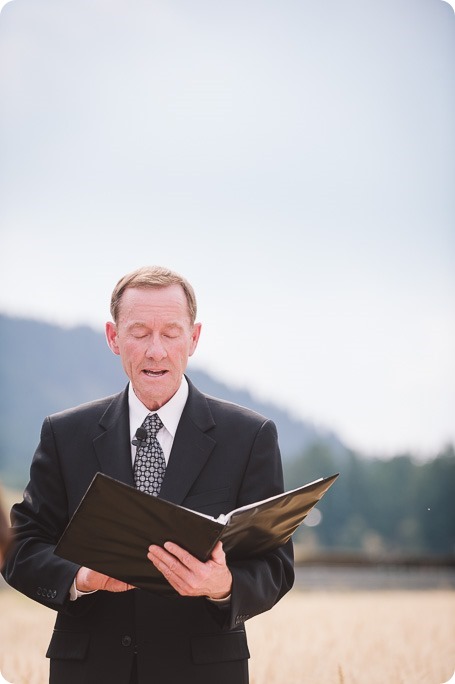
(126, 640)
(54, 594)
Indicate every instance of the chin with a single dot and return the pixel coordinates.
(154, 398)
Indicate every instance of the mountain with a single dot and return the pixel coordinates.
(45, 368)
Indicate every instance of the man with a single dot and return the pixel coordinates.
(217, 456)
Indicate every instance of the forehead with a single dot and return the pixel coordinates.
(146, 303)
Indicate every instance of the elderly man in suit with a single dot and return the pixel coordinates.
(202, 453)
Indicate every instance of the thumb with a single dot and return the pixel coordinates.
(218, 555)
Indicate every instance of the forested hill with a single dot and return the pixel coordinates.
(398, 506)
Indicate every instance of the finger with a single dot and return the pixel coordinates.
(116, 585)
(175, 561)
(165, 562)
(185, 558)
(171, 569)
(157, 552)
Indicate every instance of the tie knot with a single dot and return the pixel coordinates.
(152, 424)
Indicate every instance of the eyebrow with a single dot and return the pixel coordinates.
(168, 326)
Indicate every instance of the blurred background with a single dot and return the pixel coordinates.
(295, 161)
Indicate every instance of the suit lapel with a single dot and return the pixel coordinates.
(190, 451)
(112, 447)
(191, 448)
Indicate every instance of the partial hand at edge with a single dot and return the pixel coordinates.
(91, 580)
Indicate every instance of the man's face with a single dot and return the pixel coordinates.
(154, 338)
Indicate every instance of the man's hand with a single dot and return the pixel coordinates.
(188, 575)
(90, 580)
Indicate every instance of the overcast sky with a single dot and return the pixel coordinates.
(295, 160)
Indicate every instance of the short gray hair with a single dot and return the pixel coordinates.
(150, 277)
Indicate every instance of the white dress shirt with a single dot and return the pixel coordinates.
(169, 414)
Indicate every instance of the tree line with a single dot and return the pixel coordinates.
(380, 507)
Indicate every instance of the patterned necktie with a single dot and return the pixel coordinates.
(150, 465)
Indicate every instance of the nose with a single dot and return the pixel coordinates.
(155, 348)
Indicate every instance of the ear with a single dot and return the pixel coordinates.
(195, 337)
(111, 337)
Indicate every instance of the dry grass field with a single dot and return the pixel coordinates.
(309, 638)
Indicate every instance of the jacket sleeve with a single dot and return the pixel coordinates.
(37, 523)
(259, 583)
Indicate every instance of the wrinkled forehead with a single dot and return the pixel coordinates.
(144, 304)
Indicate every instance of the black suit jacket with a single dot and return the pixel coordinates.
(223, 456)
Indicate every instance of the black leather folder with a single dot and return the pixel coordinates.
(115, 524)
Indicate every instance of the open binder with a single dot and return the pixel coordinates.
(115, 524)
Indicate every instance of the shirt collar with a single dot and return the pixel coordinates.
(169, 414)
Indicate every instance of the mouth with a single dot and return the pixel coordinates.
(154, 373)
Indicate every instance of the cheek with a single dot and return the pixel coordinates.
(131, 351)
(179, 355)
